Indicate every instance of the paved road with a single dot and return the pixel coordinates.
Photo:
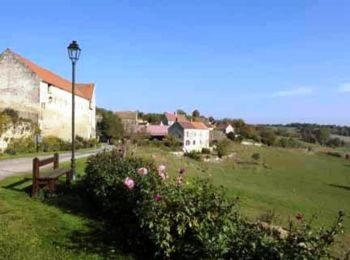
(17, 166)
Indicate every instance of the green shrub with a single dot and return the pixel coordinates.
(231, 136)
(53, 144)
(206, 151)
(21, 145)
(191, 220)
(222, 148)
(171, 142)
(194, 155)
(335, 154)
(256, 156)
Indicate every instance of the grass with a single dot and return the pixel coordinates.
(284, 181)
(59, 227)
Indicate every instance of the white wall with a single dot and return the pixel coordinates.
(195, 139)
(56, 113)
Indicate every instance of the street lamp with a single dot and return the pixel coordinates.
(74, 54)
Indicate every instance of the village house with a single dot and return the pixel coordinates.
(171, 118)
(226, 128)
(45, 98)
(193, 135)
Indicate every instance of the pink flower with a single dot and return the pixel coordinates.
(162, 173)
(179, 181)
(157, 197)
(142, 171)
(161, 168)
(182, 170)
(129, 183)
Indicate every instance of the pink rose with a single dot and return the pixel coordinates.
(162, 175)
(142, 171)
(129, 183)
(157, 197)
(161, 168)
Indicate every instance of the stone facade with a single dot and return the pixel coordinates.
(45, 98)
(15, 131)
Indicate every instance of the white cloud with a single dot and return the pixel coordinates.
(302, 91)
(344, 88)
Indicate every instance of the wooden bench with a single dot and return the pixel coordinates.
(49, 179)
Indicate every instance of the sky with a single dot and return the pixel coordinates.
(268, 61)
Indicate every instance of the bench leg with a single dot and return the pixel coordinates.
(51, 185)
(68, 178)
(35, 188)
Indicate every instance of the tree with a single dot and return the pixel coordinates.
(110, 127)
(231, 136)
(223, 148)
(181, 112)
(268, 137)
(196, 113)
(322, 135)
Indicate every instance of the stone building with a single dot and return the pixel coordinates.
(45, 98)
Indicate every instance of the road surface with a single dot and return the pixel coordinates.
(17, 166)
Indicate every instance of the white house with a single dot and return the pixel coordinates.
(193, 135)
(226, 128)
(46, 98)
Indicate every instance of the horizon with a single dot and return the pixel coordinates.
(267, 63)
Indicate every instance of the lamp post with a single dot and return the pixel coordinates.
(74, 54)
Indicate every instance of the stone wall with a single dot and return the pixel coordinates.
(14, 131)
(19, 87)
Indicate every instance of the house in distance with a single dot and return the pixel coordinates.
(194, 136)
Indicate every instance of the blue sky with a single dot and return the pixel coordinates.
(268, 61)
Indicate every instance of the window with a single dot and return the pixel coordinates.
(49, 89)
(43, 105)
(194, 142)
(188, 143)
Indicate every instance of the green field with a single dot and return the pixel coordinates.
(283, 181)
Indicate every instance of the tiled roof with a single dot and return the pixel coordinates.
(199, 125)
(127, 115)
(175, 117)
(193, 125)
(157, 130)
(83, 90)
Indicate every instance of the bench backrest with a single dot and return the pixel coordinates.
(37, 163)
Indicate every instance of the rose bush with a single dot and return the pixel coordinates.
(185, 218)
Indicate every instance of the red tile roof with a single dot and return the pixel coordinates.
(193, 125)
(173, 117)
(83, 90)
(157, 130)
(199, 125)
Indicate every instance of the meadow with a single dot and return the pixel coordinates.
(282, 183)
